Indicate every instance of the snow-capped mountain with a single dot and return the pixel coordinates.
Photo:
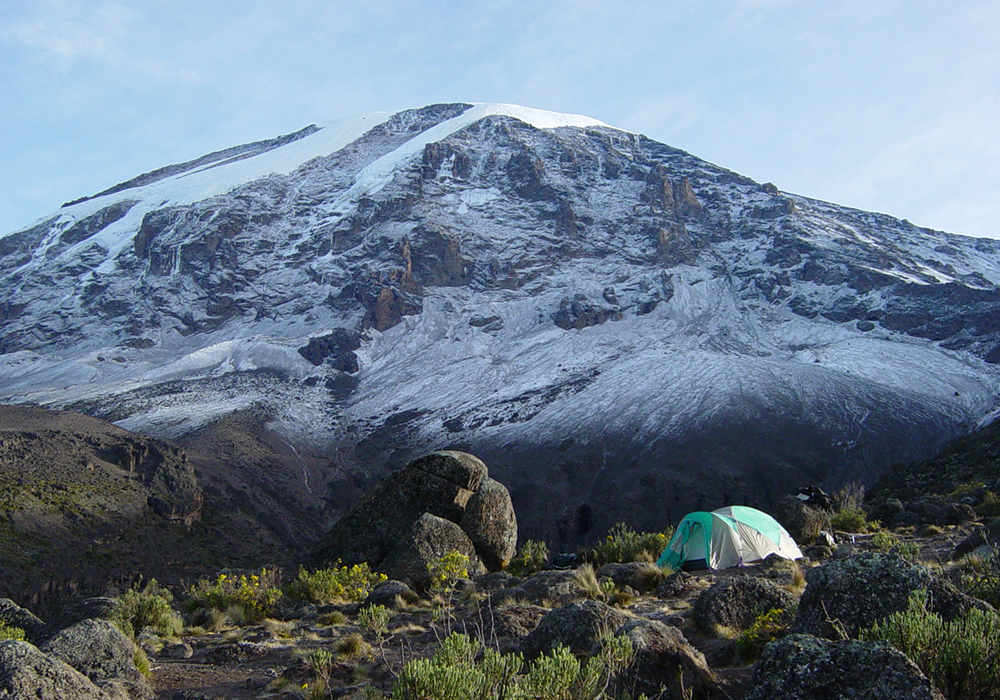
(616, 326)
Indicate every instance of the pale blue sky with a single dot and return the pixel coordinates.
(890, 105)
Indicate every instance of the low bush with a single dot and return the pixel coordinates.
(980, 577)
(885, 541)
(11, 632)
(850, 519)
(989, 507)
(146, 605)
(767, 627)
(530, 558)
(961, 657)
(446, 571)
(334, 584)
(462, 670)
(253, 596)
(623, 544)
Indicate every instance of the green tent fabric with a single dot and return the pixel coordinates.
(729, 536)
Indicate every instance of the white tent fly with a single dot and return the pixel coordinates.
(729, 536)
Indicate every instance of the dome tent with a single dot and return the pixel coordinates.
(729, 536)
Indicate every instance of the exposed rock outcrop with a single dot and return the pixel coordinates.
(665, 659)
(440, 502)
(97, 649)
(802, 667)
(427, 540)
(736, 602)
(26, 672)
(850, 595)
(578, 626)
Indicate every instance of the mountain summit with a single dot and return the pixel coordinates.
(614, 325)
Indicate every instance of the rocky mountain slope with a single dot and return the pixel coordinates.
(615, 325)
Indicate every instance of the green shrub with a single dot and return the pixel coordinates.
(850, 519)
(459, 672)
(964, 488)
(623, 544)
(532, 557)
(989, 507)
(144, 606)
(767, 627)
(885, 541)
(11, 632)
(375, 618)
(447, 570)
(337, 583)
(980, 577)
(253, 596)
(961, 657)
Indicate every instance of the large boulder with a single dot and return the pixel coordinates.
(428, 539)
(736, 602)
(490, 523)
(558, 587)
(578, 626)
(802, 667)
(850, 595)
(98, 608)
(452, 486)
(664, 658)
(26, 672)
(507, 625)
(802, 521)
(99, 650)
(14, 615)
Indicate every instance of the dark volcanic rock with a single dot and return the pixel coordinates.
(984, 536)
(428, 539)
(390, 593)
(26, 672)
(863, 589)
(98, 608)
(581, 313)
(736, 602)
(14, 615)
(802, 521)
(577, 625)
(336, 349)
(97, 649)
(552, 587)
(442, 501)
(802, 667)
(491, 524)
(663, 658)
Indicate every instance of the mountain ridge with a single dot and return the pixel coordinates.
(643, 325)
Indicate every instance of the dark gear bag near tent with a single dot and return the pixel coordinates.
(729, 536)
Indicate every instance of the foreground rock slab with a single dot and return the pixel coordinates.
(803, 667)
(26, 672)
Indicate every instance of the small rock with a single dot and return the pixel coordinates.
(392, 594)
(677, 585)
(177, 650)
(239, 652)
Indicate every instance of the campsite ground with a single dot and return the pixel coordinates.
(268, 660)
